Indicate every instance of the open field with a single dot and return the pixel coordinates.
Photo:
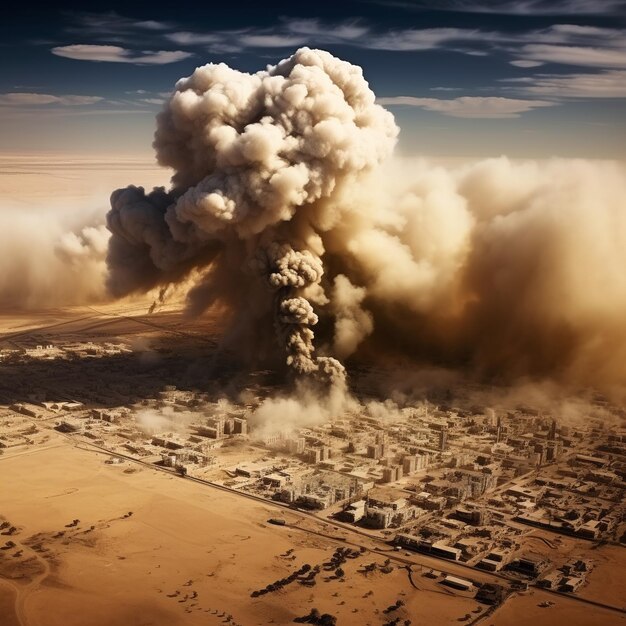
(526, 609)
(606, 582)
(182, 541)
(81, 182)
(190, 554)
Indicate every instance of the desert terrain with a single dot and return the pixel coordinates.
(91, 542)
(154, 549)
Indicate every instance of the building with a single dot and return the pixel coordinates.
(295, 445)
(554, 450)
(386, 498)
(493, 562)
(475, 517)
(313, 455)
(414, 463)
(590, 530)
(170, 442)
(552, 432)
(443, 439)
(254, 470)
(457, 583)
(354, 512)
(381, 440)
(378, 518)
(491, 594)
(531, 566)
(569, 584)
(419, 544)
(386, 508)
(275, 480)
(378, 449)
(67, 427)
(314, 501)
(443, 550)
(374, 451)
(551, 580)
(584, 459)
(240, 426)
(392, 473)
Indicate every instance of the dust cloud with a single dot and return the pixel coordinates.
(289, 215)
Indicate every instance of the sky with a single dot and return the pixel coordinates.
(464, 78)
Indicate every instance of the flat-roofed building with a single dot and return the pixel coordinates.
(457, 583)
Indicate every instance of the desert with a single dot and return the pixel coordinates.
(313, 313)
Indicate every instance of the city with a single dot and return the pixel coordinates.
(487, 503)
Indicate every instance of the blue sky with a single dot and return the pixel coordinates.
(527, 78)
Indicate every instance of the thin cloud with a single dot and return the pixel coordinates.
(424, 39)
(289, 32)
(271, 41)
(575, 55)
(35, 99)
(469, 106)
(607, 84)
(343, 31)
(152, 25)
(186, 38)
(563, 44)
(112, 24)
(313, 32)
(560, 43)
(117, 54)
(518, 7)
(526, 63)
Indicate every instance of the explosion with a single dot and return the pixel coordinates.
(288, 212)
(257, 160)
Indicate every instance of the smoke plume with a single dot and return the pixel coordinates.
(257, 161)
(51, 258)
(287, 213)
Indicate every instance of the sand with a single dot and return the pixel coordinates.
(50, 180)
(605, 582)
(7, 606)
(525, 609)
(189, 554)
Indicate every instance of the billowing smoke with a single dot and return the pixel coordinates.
(287, 214)
(257, 160)
(514, 269)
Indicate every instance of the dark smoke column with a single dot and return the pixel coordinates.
(258, 160)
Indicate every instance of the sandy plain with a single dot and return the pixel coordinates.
(526, 609)
(190, 554)
(187, 555)
(41, 180)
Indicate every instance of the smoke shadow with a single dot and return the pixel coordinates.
(130, 377)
